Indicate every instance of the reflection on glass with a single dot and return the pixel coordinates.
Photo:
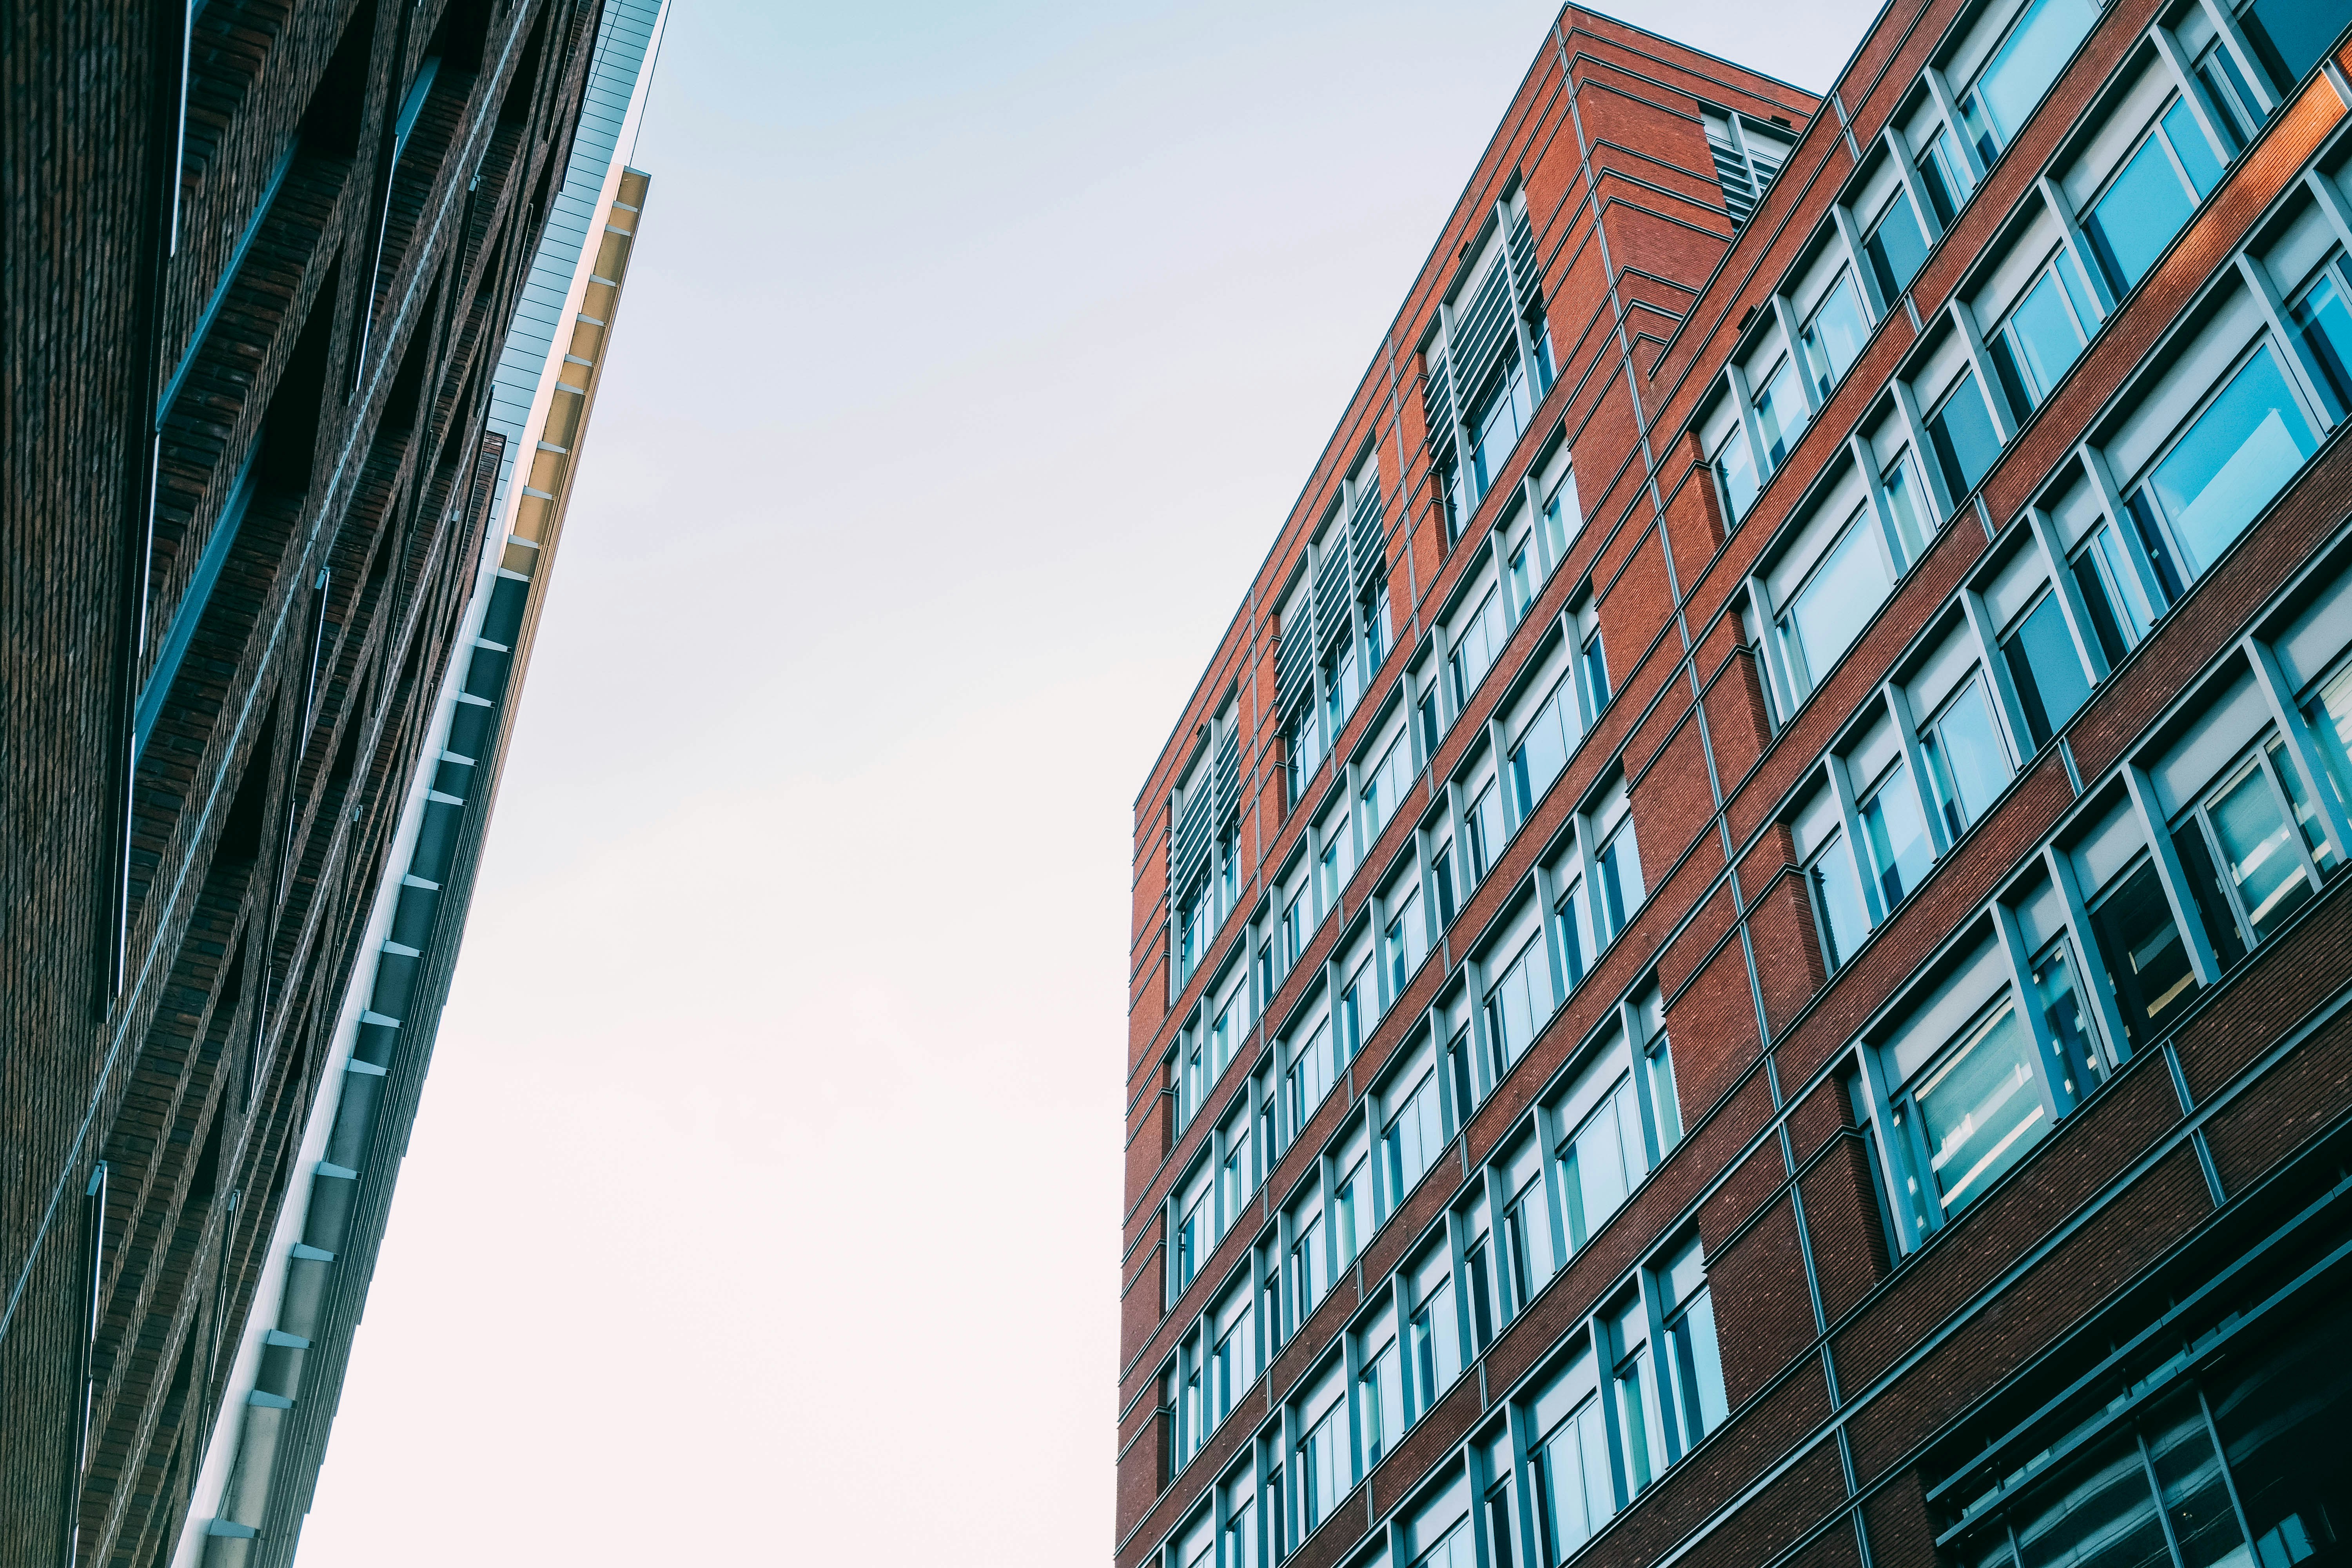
(2326, 329)
(2259, 853)
(1982, 1109)
(2022, 70)
(1961, 432)
(1899, 848)
(2306, 815)
(1837, 894)
(1735, 465)
(2045, 670)
(2145, 206)
(2112, 592)
(2147, 963)
(1965, 758)
(2331, 721)
(1829, 611)
(1835, 336)
(1896, 247)
(2061, 1010)
(1780, 413)
(2237, 455)
(1906, 511)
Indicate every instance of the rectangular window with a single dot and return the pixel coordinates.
(2120, 609)
(1405, 941)
(1901, 853)
(1379, 1391)
(1632, 1383)
(1596, 673)
(1483, 819)
(2325, 328)
(1237, 1175)
(1981, 1108)
(2264, 869)
(1572, 912)
(2147, 963)
(1908, 518)
(1323, 1467)
(1518, 1003)
(1601, 1158)
(1835, 603)
(1694, 1365)
(1433, 1338)
(1386, 782)
(1351, 1212)
(1412, 1135)
(1780, 412)
(1966, 761)
(2150, 197)
(1734, 469)
(1946, 174)
(1568, 1461)
(1309, 1269)
(1527, 1227)
(2022, 70)
(1312, 1071)
(1894, 246)
(2044, 332)
(1962, 431)
(1441, 878)
(1619, 864)
(1834, 336)
(1498, 419)
(1837, 900)
(2223, 469)
(2044, 667)
(1474, 648)
(1542, 748)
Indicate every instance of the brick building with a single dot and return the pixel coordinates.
(1740, 955)
(307, 304)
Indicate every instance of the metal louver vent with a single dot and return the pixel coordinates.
(1483, 332)
(1731, 172)
(1367, 540)
(1190, 856)
(1331, 596)
(1437, 408)
(1227, 781)
(1294, 665)
(1523, 262)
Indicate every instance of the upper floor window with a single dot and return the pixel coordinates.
(1893, 238)
(1748, 153)
(2031, 48)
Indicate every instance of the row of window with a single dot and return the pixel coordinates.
(2228, 818)
(1488, 363)
(2188, 99)
(1635, 1388)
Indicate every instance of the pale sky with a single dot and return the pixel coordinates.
(764, 1202)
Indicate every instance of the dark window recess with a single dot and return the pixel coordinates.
(2205, 886)
(331, 122)
(522, 91)
(289, 432)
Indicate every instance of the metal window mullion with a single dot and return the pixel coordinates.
(2233, 38)
(2086, 949)
(2071, 602)
(1767, 637)
(2168, 49)
(2050, 1060)
(2094, 465)
(1742, 403)
(2333, 816)
(1940, 90)
(1915, 758)
(2298, 373)
(2331, 201)
(1857, 845)
(2173, 879)
(1914, 429)
(2077, 242)
(1907, 174)
(1787, 317)
(2004, 418)
(1850, 242)
(2285, 803)
(2010, 707)
(1865, 462)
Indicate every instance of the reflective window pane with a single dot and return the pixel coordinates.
(2147, 963)
(2047, 672)
(1896, 247)
(1837, 894)
(1962, 434)
(2259, 851)
(1982, 1110)
(2237, 455)
(2025, 65)
(1829, 611)
(1833, 338)
(1780, 413)
(1899, 846)
(1965, 758)
(2129, 226)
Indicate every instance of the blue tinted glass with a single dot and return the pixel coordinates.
(1839, 896)
(2326, 328)
(1831, 610)
(1898, 836)
(1835, 336)
(1965, 443)
(2131, 224)
(2046, 338)
(1945, 185)
(2238, 455)
(2030, 61)
(2196, 154)
(2045, 670)
(1896, 247)
(2291, 34)
(1738, 470)
(1780, 413)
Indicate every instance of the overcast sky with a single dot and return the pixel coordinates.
(763, 1206)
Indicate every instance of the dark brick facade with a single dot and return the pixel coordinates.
(258, 389)
(1858, 1372)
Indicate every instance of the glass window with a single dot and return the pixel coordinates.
(2070, 1025)
(2330, 713)
(1351, 1212)
(1833, 337)
(2150, 197)
(1405, 942)
(1441, 877)
(1477, 1265)
(2225, 467)
(1837, 897)
(1412, 1136)
(1310, 1271)
(1946, 174)
(1323, 1466)
(1900, 852)
(1526, 1238)
(2147, 965)
(2260, 853)
(2326, 326)
(1895, 245)
(1473, 649)
(2045, 670)
(1568, 1462)
(1836, 602)
(1962, 431)
(1543, 746)
(1386, 784)
(1312, 1073)
(1573, 912)
(1619, 864)
(1562, 519)
(1966, 762)
(2042, 334)
(1982, 1108)
(1342, 685)
(1601, 1161)
(2022, 70)
(1519, 1003)
(1379, 1389)
(1912, 522)
(1596, 673)
(1435, 1342)
(2290, 34)
(1633, 1381)
(1735, 466)
(1780, 412)
(1483, 819)
(2112, 591)
(1496, 422)
(1694, 1365)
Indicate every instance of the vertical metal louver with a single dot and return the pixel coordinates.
(1437, 408)
(1294, 665)
(1189, 853)
(1367, 540)
(1483, 332)
(1331, 595)
(1227, 780)
(1746, 157)
(1522, 238)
